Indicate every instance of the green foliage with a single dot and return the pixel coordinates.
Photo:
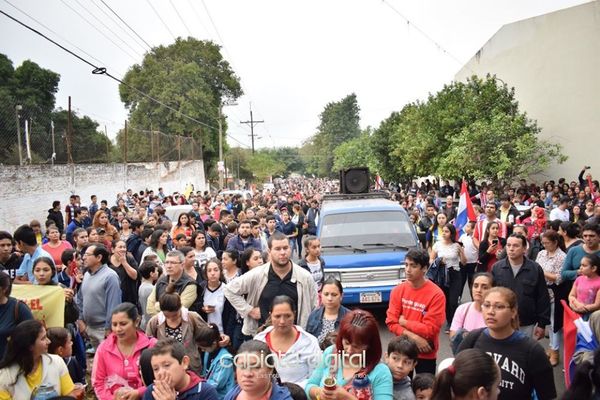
(190, 76)
(356, 152)
(89, 145)
(339, 124)
(263, 165)
(472, 129)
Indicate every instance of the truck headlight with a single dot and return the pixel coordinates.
(401, 273)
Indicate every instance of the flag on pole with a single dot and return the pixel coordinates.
(378, 182)
(465, 212)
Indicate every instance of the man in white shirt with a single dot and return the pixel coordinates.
(561, 212)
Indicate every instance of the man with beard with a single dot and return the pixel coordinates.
(244, 239)
(252, 293)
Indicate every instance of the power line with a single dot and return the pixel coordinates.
(126, 24)
(117, 24)
(161, 20)
(107, 27)
(103, 71)
(423, 33)
(180, 18)
(99, 31)
(193, 7)
(54, 32)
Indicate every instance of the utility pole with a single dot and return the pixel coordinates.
(125, 147)
(69, 134)
(53, 144)
(107, 145)
(252, 123)
(221, 163)
(18, 108)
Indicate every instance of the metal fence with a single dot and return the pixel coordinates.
(31, 136)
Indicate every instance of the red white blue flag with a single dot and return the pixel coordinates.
(465, 212)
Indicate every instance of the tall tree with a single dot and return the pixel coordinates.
(356, 152)
(192, 77)
(339, 123)
(33, 88)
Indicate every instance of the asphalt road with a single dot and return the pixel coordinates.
(445, 351)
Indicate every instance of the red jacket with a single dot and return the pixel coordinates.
(424, 308)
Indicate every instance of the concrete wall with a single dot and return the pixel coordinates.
(27, 192)
(553, 61)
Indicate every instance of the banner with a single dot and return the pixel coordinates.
(47, 302)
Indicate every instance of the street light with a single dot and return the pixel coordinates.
(18, 108)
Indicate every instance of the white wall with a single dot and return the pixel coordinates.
(27, 192)
(553, 61)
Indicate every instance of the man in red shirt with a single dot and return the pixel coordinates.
(417, 310)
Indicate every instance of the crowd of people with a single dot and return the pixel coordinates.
(229, 299)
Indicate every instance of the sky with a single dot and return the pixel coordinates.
(292, 57)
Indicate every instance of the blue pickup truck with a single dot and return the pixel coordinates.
(364, 238)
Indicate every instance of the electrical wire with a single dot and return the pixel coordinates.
(54, 32)
(180, 18)
(125, 23)
(161, 20)
(108, 28)
(193, 7)
(99, 31)
(116, 22)
(423, 33)
(103, 71)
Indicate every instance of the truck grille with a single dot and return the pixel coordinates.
(369, 275)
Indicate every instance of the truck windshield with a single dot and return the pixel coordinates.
(342, 232)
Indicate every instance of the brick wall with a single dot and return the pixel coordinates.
(27, 192)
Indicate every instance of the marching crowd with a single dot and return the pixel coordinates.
(229, 299)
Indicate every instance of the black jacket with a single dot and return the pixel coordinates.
(180, 285)
(530, 287)
(58, 219)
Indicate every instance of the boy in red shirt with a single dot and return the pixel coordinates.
(417, 310)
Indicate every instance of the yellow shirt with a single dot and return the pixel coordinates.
(35, 379)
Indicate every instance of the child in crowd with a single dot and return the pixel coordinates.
(401, 358)
(585, 294)
(149, 272)
(422, 386)
(171, 378)
(61, 344)
(216, 366)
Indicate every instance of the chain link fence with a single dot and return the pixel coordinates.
(29, 135)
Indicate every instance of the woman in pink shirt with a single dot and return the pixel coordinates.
(55, 246)
(468, 315)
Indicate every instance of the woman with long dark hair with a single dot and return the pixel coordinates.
(453, 256)
(27, 364)
(115, 370)
(490, 247)
(13, 311)
(472, 375)
(126, 267)
(158, 246)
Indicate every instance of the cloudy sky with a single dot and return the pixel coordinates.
(293, 57)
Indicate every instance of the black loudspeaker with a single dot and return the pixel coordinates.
(354, 180)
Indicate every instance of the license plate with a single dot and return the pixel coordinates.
(370, 297)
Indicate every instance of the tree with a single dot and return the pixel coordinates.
(472, 129)
(339, 123)
(263, 165)
(34, 89)
(192, 77)
(356, 152)
(88, 146)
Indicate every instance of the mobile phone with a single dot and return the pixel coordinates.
(587, 167)
(495, 242)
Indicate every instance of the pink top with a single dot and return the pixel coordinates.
(467, 317)
(587, 288)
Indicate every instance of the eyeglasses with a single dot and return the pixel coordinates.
(495, 307)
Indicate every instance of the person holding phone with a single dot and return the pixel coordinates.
(490, 247)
